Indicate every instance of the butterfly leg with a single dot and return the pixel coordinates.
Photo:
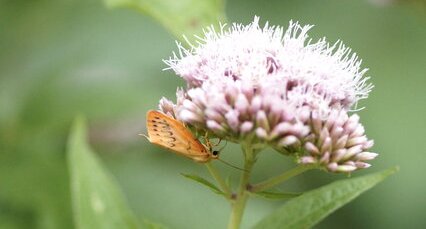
(220, 140)
(144, 136)
(207, 141)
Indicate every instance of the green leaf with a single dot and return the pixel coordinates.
(277, 195)
(178, 16)
(150, 225)
(204, 182)
(310, 208)
(96, 199)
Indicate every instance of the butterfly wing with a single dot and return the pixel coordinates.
(171, 134)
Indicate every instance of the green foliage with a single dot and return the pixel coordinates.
(313, 206)
(277, 195)
(97, 201)
(205, 182)
(183, 17)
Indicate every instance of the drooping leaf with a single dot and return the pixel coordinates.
(204, 182)
(179, 17)
(277, 195)
(313, 206)
(96, 199)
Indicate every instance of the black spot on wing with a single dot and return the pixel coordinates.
(189, 146)
(172, 144)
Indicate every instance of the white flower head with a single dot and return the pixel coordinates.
(267, 85)
(321, 75)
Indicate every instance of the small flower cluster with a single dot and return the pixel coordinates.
(270, 87)
(338, 143)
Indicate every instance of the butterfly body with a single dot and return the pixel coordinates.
(173, 135)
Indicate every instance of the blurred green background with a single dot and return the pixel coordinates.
(61, 58)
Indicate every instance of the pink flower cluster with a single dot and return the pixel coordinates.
(267, 86)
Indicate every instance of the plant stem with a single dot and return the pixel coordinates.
(271, 182)
(241, 197)
(215, 174)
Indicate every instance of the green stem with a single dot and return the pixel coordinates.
(271, 182)
(215, 174)
(241, 197)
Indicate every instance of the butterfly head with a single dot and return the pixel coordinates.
(215, 154)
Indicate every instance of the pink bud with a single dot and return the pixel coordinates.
(311, 148)
(246, 127)
(336, 132)
(366, 156)
(215, 127)
(241, 104)
(362, 165)
(213, 115)
(359, 131)
(332, 166)
(189, 105)
(316, 123)
(368, 144)
(325, 158)
(346, 168)
(232, 119)
(189, 117)
(341, 142)
(352, 152)
(338, 155)
(288, 141)
(356, 141)
(262, 120)
(307, 160)
(282, 128)
(198, 96)
(326, 146)
(323, 135)
(256, 104)
(261, 133)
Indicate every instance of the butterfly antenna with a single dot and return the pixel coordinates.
(226, 142)
(233, 166)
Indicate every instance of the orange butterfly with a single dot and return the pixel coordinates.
(172, 134)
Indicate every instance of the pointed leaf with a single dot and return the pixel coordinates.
(204, 182)
(310, 208)
(179, 17)
(97, 201)
(277, 195)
